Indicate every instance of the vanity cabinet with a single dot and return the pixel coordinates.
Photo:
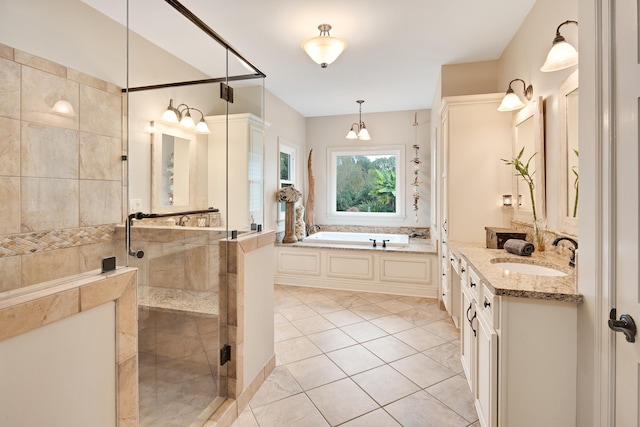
(474, 137)
(235, 146)
(518, 355)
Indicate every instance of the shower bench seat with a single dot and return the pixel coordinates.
(196, 303)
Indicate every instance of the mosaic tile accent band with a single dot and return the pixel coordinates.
(28, 243)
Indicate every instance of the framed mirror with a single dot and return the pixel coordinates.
(569, 155)
(172, 169)
(528, 136)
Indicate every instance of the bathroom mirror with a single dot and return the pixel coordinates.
(568, 108)
(172, 174)
(528, 135)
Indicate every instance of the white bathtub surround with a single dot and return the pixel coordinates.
(408, 270)
(360, 239)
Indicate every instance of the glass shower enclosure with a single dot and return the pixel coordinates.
(194, 179)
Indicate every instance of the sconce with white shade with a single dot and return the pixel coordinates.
(183, 117)
(507, 200)
(359, 130)
(511, 101)
(324, 49)
(63, 107)
(562, 54)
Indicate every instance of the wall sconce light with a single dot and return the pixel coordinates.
(183, 117)
(511, 101)
(324, 49)
(63, 107)
(507, 200)
(359, 130)
(562, 54)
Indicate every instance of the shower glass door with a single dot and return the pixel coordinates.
(179, 178)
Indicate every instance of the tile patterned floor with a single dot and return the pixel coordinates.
(357, 359)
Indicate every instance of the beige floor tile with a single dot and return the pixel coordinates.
(444, 329)
(373, 297)
(355, 359)
(315, 371)
(421, 317)
(312, 325)
(279, 318)
(297, 312)
(337, 293)
(285, 301)
(331, 340)
(394, 306)
(341, 401)
(343, 318)
(351, 301)
(392, 324)
(370, 311)
(385, 384)
(447, 355)
(377, 418)
(454, 393)
(422, 409)
(421, 302)
(364, 331)
(309, 297)
(285, 331)
(325, 306)
(294, 411)
(295, 349)
(245, 419)
(278, 386)
(420, 339)
(422, 370)
(389, 348)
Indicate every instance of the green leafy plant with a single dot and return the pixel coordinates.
(522, 170)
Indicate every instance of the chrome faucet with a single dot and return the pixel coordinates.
(183, 220)
(572, 259)
(311, 227)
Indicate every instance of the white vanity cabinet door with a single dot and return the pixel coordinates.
(486, 393)
(468, 337)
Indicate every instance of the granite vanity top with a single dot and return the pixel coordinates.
(513, 284)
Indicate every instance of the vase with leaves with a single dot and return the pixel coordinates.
(523, 171)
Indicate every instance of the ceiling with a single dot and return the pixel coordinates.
(394, 54)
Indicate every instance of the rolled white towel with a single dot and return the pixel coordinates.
(519, 247)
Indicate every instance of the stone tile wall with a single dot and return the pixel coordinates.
(60, 176)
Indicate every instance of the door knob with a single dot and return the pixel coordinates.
(625, 325)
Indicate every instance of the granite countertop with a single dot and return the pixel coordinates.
(513, 284)
(416, 246)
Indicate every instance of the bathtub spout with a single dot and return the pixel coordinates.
(311, 227)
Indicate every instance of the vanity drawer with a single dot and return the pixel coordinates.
(473, 283)
(455, 262)
(464, 272)
(489, 306)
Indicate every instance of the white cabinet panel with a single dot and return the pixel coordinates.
(405, 270)
(486, 396)
(299, 262)
(352, 266)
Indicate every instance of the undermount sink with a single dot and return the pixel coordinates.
(534, 269)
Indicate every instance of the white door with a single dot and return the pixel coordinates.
(627, 73)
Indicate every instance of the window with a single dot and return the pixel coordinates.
(366, 182)
(286, 172)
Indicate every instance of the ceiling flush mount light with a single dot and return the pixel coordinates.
(562, 54)
(511, 101)
(181, 114)
(63, 107)
(324, 49)
(359, 130)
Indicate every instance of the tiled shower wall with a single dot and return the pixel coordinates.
(60, 177)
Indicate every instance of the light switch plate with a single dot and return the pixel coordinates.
(135, 205)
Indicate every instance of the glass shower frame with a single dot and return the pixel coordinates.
(165, 332)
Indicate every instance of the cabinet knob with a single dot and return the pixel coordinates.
(487, 304)
(473, 285)
(463, 270)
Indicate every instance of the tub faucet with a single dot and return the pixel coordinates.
(183, 220)
(572, 258)
(311, 227)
